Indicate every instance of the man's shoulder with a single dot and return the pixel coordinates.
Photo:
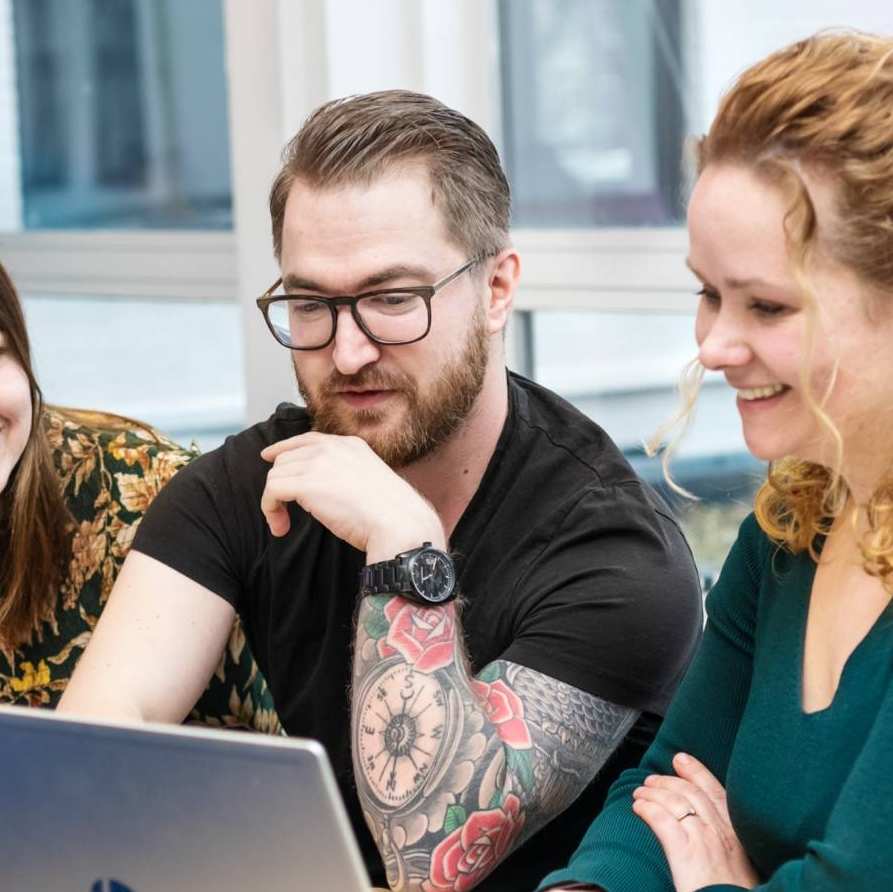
(234, 472)
(554, 425)
(589, 480)
(241, 451)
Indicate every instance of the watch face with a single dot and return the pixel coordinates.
(432, 575)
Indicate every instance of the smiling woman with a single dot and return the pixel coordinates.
(31, 508)
(73, 488)
(15, 411)
(771, 770)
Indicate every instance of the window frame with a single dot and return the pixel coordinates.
(195, 265)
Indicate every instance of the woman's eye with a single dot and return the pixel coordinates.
(708, 295)
(765, 308)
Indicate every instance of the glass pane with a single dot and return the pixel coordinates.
(122, 115)
(592, 111)
(177, 366)
(621, 369)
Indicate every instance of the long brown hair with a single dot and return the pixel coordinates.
(34, 522)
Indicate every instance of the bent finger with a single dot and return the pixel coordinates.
(269, 453)
(678, 805)
(275, 512)
(693, 770)
(670, 832)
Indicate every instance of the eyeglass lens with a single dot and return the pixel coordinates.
(305, 323)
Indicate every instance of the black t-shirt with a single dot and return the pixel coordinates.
(567, 562)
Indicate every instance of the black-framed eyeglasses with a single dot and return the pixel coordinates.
(387, 316)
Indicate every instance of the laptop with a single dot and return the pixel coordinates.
(102, 807)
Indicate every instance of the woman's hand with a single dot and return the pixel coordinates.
(690, 818)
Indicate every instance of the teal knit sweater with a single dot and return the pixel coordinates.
(810, 796)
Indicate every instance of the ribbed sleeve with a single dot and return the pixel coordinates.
(619, 853)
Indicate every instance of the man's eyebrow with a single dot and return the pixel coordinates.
(739, 284)
(421, 274)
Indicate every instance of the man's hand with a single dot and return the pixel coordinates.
(689, 816)
(351, 491)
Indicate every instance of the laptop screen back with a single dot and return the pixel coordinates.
(95, 808)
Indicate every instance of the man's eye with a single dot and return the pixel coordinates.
(391, 300)
(306, 308)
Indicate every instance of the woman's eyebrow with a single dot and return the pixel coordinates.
(740, 284)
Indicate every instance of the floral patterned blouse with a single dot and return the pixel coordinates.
(109, 474)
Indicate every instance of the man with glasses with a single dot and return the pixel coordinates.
(418, 471)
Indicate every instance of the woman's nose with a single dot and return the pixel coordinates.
(721, 343)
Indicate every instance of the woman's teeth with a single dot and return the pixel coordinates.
(760, 393)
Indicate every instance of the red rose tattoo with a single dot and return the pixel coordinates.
(471, 851)
(455, 770)
(505, 709)
(423, 636)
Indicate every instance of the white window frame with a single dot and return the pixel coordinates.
(154, 264)
(608, 270)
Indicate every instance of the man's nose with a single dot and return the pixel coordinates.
(353, 349)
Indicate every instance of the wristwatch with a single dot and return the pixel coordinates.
(425, 575)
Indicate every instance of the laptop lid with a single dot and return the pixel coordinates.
(102, 807)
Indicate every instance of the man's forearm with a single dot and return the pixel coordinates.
(454, 771)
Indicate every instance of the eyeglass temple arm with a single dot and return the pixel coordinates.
(273, 287)
(446, 281)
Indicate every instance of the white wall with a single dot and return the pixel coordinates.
(732, 36)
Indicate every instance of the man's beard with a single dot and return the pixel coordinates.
(431, 418)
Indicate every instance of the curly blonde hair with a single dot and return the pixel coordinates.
(825, 105)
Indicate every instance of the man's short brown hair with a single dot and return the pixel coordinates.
(354, 139)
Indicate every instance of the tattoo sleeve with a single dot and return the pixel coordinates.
(455, 771)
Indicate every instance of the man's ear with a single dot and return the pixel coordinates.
(503, 277)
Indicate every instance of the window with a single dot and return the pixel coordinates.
(595, 118)
(122, 114)
(114, 122)
(592, 111)
(174, 364)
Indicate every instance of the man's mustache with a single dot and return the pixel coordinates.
(366, 379)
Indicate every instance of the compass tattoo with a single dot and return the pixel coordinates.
(400, 726)
(454, 770)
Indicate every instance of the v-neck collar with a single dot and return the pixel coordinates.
(808, 567)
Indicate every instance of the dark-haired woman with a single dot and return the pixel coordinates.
(73, 488)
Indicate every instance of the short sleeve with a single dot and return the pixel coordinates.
(196, 526)
(611, 603)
